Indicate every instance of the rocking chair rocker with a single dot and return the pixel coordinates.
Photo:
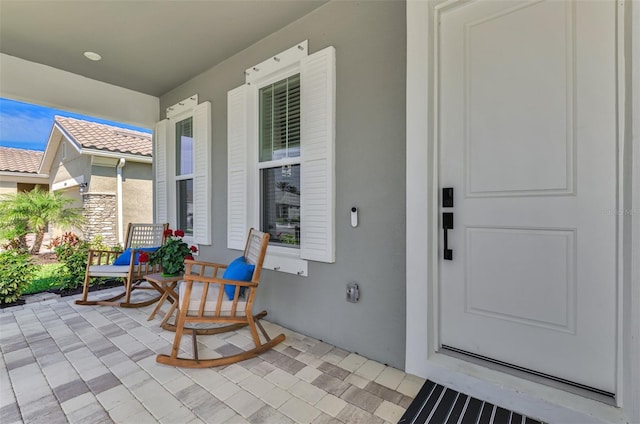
(100, 264)
(207, 298)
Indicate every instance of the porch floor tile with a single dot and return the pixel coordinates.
(68, 363)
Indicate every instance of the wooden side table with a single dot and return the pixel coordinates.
(166, 287)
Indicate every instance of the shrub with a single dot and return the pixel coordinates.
(72, 253)
(97, 243)
(16, 272)
(14, 235)
(67, 238)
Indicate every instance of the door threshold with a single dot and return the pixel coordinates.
(537, 377)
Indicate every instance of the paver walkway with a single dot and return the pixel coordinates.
(64, 363)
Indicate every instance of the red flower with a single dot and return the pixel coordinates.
(179, 233)
(193, 249)
(168, 232)
(188, 258)
(144, 257)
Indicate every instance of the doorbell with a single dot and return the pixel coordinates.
(354, 217)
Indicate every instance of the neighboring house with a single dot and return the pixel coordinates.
(531, 113)
(20, 170)
(107, 169)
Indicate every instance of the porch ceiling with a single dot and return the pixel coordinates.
(146, 46)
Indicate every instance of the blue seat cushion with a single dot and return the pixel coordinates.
(125, 256)
(238, 270)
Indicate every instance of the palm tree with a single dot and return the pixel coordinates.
(33, 211)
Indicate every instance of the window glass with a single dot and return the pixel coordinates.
(281, 204)
(185, 205)
(280, 119)
(184, 147)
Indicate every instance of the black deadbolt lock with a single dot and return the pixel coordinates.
(447, 197)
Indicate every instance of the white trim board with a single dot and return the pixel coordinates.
(68, 183)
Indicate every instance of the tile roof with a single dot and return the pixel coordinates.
(20, 160)
(91, 135)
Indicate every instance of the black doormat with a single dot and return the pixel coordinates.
(436, 404)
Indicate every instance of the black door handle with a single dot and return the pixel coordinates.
(447, 224)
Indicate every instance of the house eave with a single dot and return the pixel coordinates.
(51, 147)
(117, 155)
(25, 177)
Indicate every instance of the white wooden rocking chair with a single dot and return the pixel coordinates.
(100, 264)
(203, 299)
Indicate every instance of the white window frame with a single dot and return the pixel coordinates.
(244, 200)
(165, 168)
(174, 120)
(255, 186)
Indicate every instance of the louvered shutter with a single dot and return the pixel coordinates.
(202, 173)
(237, 166)
(317, 179)
(160, 133)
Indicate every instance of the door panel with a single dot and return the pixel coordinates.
(506, 73)
(527, 136)
(495, 287)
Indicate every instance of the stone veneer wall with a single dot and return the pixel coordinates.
(100, 213)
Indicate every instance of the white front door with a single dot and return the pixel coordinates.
(527, 140)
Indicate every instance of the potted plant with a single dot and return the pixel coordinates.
(171, 254)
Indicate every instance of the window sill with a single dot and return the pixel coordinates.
(282, 259)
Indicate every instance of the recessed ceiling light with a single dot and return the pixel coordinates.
(92, 56)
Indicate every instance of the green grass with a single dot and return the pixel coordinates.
(44, 279)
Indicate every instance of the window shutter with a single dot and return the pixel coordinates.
(317, 179)
(237, 167)
(202, 173)
(160, 166)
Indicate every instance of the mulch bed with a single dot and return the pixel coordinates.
(16, 303)
(68, 292)
(78, 290)
(44, 258)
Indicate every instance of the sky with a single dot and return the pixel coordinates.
(27, 126)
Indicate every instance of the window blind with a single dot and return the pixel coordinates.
(280, 119)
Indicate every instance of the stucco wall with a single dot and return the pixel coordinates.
(71, 166)
(137, 192)
(370, 42)
(7, 187)
(103, 179)
(137, 189)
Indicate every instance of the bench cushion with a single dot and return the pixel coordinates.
(109, 270)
